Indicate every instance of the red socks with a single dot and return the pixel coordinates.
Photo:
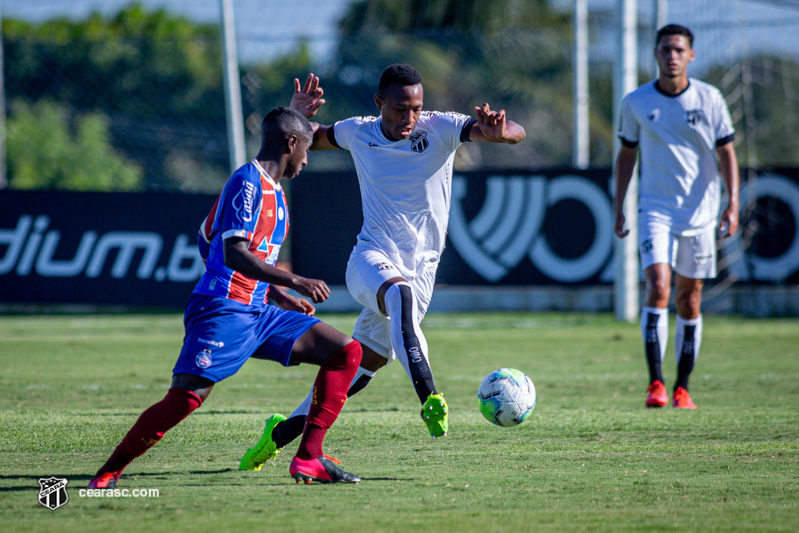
(150, 428)
(329, 396)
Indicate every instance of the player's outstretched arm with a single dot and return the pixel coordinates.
(623, 173)
(729, 173)
(494, 127)
(239, 258)
(307, 99)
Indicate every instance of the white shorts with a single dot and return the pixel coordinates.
(367, 270)
(691, 257)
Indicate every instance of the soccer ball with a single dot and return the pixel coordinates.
(506, 397)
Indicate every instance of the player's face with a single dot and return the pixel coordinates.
(673, 53)
(298, 156)
(400, 107)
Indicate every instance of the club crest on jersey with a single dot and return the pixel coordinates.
(419, 142)
(694, 116)
(53, 492)
(203, 359)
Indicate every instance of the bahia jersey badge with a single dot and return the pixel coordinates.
(253, 207)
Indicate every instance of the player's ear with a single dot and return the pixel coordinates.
(379, 101)
(293, 142)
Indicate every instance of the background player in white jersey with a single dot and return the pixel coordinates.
(680, 125)
(404, 160)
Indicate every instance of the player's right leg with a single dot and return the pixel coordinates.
(215, 346)
(657, 251)
(186, 395)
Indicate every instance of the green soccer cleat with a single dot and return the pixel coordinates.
(265, 449)
(434, 414)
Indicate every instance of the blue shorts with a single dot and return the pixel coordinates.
(222, 334)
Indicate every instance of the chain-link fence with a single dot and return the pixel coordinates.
(134, 92)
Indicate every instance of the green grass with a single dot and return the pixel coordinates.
(590, 458)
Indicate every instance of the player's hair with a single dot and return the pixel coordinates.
(675, 29)
(399, 74)
(282, 122)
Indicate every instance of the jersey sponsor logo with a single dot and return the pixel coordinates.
(270, 213)
(419, 142)
(203, 359)
(384, 266)
(53, 492)
(703, 258)
(694, 116)
(243, 202)
(372, 145)
(218, 344)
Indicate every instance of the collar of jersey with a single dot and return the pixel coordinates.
(264, 174)
(383, 137)
(667, 95)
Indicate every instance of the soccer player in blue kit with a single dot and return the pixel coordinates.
(227, 319)
(404, 161)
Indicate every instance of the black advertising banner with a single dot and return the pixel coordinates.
(137, 249)
(510, 228)
(537, 228)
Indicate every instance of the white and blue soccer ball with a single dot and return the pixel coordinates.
(506, 397)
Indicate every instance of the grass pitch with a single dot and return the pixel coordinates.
(590, 458)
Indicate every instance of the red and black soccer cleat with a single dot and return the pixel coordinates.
(321, 469)
(104, 481)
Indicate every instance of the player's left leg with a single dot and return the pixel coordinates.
(280, 430)
(338, 357)
(696, 261)
(687, 335)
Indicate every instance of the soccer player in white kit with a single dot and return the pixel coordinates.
(680, 125)
(404, 160)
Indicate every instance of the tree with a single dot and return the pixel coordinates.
(513, 54)
(156, 76)
(46, 150)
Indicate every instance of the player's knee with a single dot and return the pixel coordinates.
(658, 289)
(347, 357)
(400, 298)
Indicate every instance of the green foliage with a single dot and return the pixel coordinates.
(46, 151)
(590, 458)
(157, 76)
(514, 55)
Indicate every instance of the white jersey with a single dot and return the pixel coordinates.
(678, 136)
(406, 185)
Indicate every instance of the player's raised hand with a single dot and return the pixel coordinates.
(315, 289)
(307, 99)
(491, 123)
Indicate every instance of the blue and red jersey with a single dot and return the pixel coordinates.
(253, 207)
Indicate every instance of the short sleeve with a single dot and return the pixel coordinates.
(628, 127)
(724, 130)
(239, 204)
(344, 131)
(450, 126)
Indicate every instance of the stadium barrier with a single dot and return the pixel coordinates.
(517, 241)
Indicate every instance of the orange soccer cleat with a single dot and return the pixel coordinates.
(682, 400)
(657, 395)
